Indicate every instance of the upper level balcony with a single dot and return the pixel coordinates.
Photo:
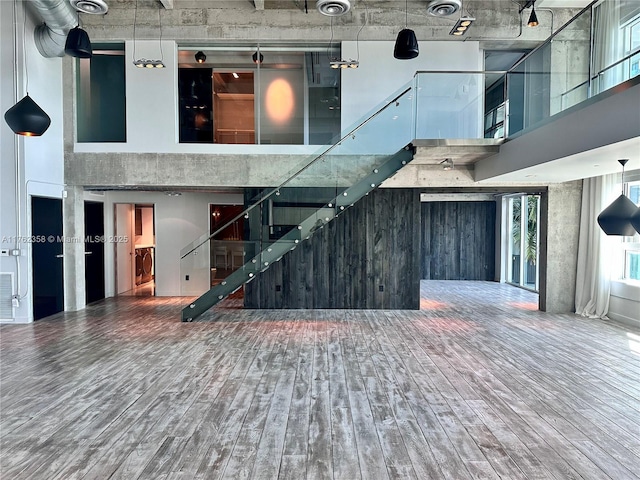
(229, 112)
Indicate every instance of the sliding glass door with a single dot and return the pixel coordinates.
(523, 239)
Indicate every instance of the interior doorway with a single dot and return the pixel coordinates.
(47, 256)
(94, 241)
(233, 108)
(135, 249)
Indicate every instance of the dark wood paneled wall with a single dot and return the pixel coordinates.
(458, 240)
(374, 244)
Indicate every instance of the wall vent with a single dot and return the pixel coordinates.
(6, 293)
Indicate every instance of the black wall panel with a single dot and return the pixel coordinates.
(369, 257)
(458, 240)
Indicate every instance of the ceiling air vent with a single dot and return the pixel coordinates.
(443, 8)
(94, 7)
(333, 8)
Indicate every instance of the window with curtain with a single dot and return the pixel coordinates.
(616, 42)
(631, 245)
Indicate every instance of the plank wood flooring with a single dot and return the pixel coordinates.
(476, 384)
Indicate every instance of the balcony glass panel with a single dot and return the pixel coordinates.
(449, 105)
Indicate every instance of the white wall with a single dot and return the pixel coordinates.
(179, 221)
(380, 74)
(152, 97)
(34, 164)
(454, 102)
(624, 303)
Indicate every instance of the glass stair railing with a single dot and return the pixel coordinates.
(278, 218)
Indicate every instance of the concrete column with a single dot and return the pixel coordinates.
(559, 231)
(73, 227)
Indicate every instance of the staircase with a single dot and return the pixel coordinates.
(278, 219)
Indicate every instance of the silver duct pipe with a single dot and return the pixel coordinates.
(59, 17)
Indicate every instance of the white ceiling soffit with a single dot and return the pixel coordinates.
(592, 163)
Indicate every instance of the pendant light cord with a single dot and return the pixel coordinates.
(406, 13)
(623, 162)
(366, 19)
(135, 16)
(331, 39)
(24, 35)
(160, 23)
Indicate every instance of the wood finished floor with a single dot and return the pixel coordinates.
(477, 384)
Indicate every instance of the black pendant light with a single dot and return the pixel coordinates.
(635, 220)
(406, 46)
(616, 218)
(78, 44)
(533, 18)
(200, 56)
(27, 118)
(257, 58)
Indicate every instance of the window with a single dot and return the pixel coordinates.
(494, 122)
(616, 43)
(631, 245)
(523, 237)
(101, 106)
(265, 95)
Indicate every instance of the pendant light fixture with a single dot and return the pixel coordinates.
(406, 46)
(635, 220)
(200, 57)
(616, 218)
(533, 18)
(25, 117)
(257, 58)
(143, 62)
(78, 44)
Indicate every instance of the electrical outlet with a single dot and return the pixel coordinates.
(278, 288)
(381, 288)
(186, 277)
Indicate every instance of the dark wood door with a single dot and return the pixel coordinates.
(94, 251)
(46, 251)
